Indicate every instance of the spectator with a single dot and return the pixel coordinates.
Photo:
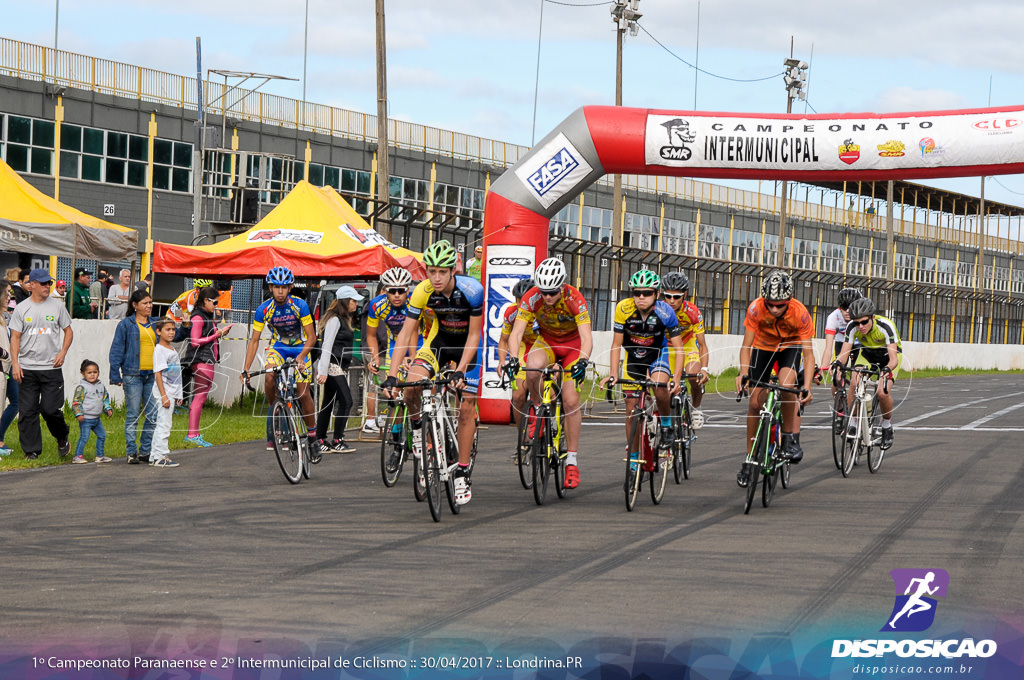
(166, 390)
(202, 353)
(474, 265)
(97, 289)
(36, 360)
(117, 298)
(20, 290)
(146, 283)
(82, 306)
(60, 291)
(337, 336)
(91, 401)
(131, 365)
(5, 381)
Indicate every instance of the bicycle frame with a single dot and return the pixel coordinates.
(764, 454)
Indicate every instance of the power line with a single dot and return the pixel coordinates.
(1019, 193)
(585, 4)
(709, 73)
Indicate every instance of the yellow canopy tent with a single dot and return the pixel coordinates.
(313, 231)
(31, 221)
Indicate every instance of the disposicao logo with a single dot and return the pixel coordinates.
(914, 610)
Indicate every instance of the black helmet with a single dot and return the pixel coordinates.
(778, 285)
(861, 307)
(846, 296)
(519, 290)
(675, 281)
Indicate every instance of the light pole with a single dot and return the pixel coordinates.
(796, 81)
(383, 166)
(625, 16)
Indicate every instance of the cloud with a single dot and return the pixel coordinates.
(903, 98)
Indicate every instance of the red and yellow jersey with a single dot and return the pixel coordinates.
(559, 322)
(773, 334)
(509, 317)
(691, 322)
(181, 309)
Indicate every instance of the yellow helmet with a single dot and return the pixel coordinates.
(201, 283)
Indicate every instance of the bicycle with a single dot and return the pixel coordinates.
(863, 433)
(656, 457)
(682, 426)
(440, 452)
(548, 449)
(291, 446)
(839, 400)
(765, 455)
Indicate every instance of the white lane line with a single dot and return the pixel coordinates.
(966, 428)
(953, 408)
(992, 416)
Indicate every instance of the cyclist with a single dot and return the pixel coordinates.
(563, 323)
(835, 326)
(181, 309)
(675, 288)
(648, 330)
(529, 337)
(388, 307)
(457, 304)
(880, 346)
(293, 335)
(778, 330)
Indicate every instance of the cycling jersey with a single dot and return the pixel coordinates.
(691, 322)
(560, 323)
(286, 321)
(381, 309)
(836, 325)
(874, 344)
(774, 334)
(644, 337)
(452, 312)
(509, 320)
(181, 309)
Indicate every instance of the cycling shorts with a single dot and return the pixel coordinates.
(277, 355)
(435, 359)
(638, 369)
(878, 357)
(689, 353)
(566, 352)
(854, 352)
(763, 361)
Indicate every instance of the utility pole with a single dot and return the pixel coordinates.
(796, 81)
(383, 169)
(624, 15)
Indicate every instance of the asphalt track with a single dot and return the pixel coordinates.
(222, 553)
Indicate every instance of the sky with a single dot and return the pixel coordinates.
(472, 65)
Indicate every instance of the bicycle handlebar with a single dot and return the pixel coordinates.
(867, 371)
(747, 380)
(288, 363)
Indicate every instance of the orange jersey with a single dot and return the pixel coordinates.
(773, 334)
(556, 323)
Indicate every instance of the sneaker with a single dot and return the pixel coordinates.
(79, 460)
(463, 490)
(743, 476)
(144, 459)
(572, 476)
(370, 427)
(341, 446)
(668, 435)
(313, 446)
(791, 449)
(198, 441)
(63, 448)
(31, 456)
(164, 462)
(696, 418)
(323, 446)
(4, 451)
(132, 459)
(104, 459)
(270, 445)
(886, 438)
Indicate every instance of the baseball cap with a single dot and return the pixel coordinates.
(80, 271)
(40, 276)
(61, 282)
(479, 249)
(347, 293)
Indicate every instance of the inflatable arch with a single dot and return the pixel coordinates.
(599, 140)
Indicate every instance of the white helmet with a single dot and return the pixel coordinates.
(396, 277)
(778, 285)
(550, 274)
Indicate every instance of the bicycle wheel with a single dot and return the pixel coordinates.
(392, 447)
(634, 468)
(419, 488)
(768, 482)
(756, 456)
(659, 475)
(687, 435)
(875, 451)
(432, 470)
(785, 469)
(286, 442)
(851, 440)
(524, 451)
(557, 456)
(539, 452)
(838, 427)
(451, 450)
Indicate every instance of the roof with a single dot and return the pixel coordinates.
(922, 196)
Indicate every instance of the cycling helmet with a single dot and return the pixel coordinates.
(846, 296)
(644, 278)
(550, 274)
(396, 277)
(439, 254)
(280, 276)
(675, 281)
(201, 283)
(861, 307)
(519, 290)
(778, 285)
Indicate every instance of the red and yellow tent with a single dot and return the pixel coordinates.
(312, 231)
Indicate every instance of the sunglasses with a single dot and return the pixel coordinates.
(862, 322)
(550, 293)
(397, 291)
(673, 296)
(643, 293)
(776, 305)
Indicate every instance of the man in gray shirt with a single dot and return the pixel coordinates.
(37, 355)
(117, 298)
